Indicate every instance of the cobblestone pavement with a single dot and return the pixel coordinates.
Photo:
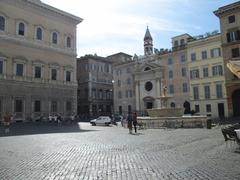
(43, 151)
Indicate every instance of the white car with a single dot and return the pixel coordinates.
(101, 120)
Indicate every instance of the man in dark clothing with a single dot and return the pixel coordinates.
(129, 120)
(135, 121)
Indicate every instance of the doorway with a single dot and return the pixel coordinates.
(221, 110)
(236, 103)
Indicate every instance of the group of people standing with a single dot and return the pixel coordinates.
(132, 121)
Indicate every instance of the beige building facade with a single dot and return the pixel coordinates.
(207, 81)
(229, 16)
(37, 60)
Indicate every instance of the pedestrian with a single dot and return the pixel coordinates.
(129, 120)
(59, 120)
(7, 121)
(134, 117)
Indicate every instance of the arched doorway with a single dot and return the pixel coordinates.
(236, 103)
(187, 107)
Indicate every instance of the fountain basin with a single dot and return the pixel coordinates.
(165, 112)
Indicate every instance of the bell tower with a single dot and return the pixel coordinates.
(148, 43)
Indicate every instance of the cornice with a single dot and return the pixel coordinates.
(54, 10)
(36, 45)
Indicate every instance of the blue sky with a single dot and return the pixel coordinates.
(112, 26)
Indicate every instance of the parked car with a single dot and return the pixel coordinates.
(101, 120)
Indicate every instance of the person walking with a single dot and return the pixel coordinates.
(7, 121)
(134, 117)
(129, 120)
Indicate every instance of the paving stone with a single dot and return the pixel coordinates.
(84, 152)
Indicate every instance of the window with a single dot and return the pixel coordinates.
(100, 94)
(233, 36)
(193, 56)
(184, 72)
(120, 109)
(54, 74)
(54, 38)
(1, 67)
(170, 61)
(119, 94)
(204, 54)
(68, 106)
(175, 43)
(217, 70)
(183, 58)
(21, 29)
(231, 19)
(197, 108)
(94, 95)
(170, 74)
(39, 33)
(235, 52)
(185, 87)
(195, 93)
(148, 86)
(182, 42)
(219, 91)
(69, 43)
(171, 89)
(194, 74)
(2, 23)
(119, 83)
(54, 106)
(19, 105)
(129, 108)
(172, 105)
(68, 76)
(208, 108)
(37, 72)
(207, 92)
(216, 52)
(19, 69)
(37, 106)
(128, 81)
(205, 72)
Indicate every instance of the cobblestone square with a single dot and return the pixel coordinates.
(81, 151)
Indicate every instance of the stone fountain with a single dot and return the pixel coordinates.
(163, 110)
(165, 116)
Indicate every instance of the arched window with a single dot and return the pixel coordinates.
(39, 33)
(69, 42)
(2, 23)
(54, 38)
(21, 29)
(172, 105)
(147, 69)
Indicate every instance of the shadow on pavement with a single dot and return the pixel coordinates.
(31, 128)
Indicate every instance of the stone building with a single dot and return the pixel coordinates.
(123, 84)
(229, 16)
(207, 81)
(95, 86)
(37, 59)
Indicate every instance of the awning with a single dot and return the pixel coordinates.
(234, 67)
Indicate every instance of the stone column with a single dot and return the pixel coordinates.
(158, 93)
(137, 95)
